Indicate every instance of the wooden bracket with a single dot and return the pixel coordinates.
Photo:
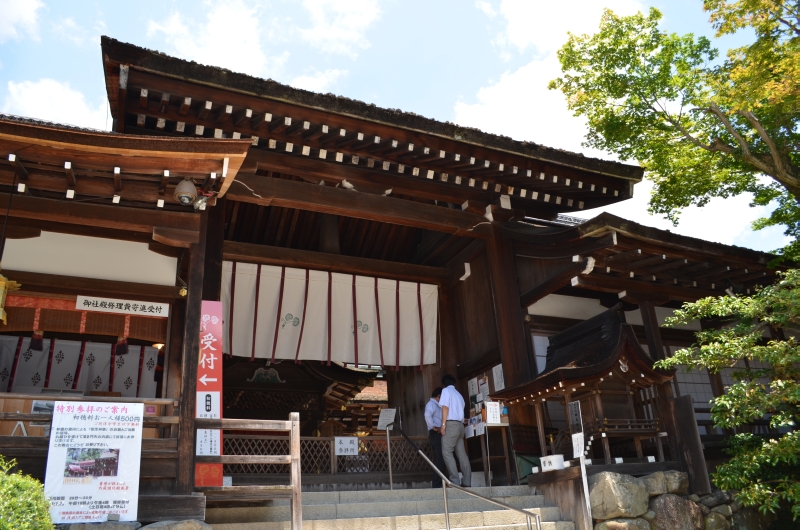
(175, 237)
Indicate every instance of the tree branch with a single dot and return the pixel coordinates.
(773, 148)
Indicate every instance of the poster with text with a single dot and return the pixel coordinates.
(209, 390)
(93, 461)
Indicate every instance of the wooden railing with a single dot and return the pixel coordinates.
(258, 493)
(621, 426)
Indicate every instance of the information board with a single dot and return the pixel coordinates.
(386, 417)
(93, 461)
(499, 381)
(575, 421)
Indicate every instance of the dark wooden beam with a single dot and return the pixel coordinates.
(36, 281)
(329, 234)
(555, 282)
(651, 329)
(565, 250)
(367, 180)
(325, 199)
(94, 215)
(175, 237)
(267, 255)
(611, 284)
(507, 309)
(477, 364)
(184, 482)
(215, 239)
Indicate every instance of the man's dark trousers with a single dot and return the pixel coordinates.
(436, 444)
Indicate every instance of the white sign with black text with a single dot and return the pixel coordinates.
(93, 461)
(124, 307)
(346, 445)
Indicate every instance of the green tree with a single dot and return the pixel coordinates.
(23, 505)
(702, 126)
(765, 470)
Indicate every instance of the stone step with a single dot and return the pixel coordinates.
(402, 495)
(375, 510)
(505, 520)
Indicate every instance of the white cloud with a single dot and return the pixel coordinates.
(48, 99)
(70, 30)
(19, 17)
(339, 26)
(544, 25)
(319, 81)
(487, 8)
(208, 43)
(520, 105)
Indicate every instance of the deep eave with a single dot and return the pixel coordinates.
(116, 53)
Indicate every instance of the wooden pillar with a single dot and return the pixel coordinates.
(184, 482)
(540, 426)
(508, 313)
(664, 390)
(449, 344)
(215, 237)
(691, 446)
(171, 382)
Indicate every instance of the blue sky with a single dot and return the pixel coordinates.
(482, 63)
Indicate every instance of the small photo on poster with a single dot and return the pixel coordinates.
(90, 462)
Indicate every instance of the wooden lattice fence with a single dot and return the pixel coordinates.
(316, 455)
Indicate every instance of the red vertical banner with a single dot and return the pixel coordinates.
(209, 392)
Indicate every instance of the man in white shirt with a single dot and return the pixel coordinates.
(433, 419)
(453, 432)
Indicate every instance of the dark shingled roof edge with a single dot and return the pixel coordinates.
(160, 63)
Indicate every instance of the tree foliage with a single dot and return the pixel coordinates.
(766, 471)
(23, 505)
(706, 126)
(703, 126)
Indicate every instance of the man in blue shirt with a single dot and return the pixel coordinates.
(453, 433)
(433, 419)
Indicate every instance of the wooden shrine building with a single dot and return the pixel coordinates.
(347, 243)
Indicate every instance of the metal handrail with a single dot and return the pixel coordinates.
(447, 484)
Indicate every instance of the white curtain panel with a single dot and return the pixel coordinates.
(31, 366)
(147, 382)
(95, 368)
(64, 364)
(8, 347)
(364, 316)
(126, 371)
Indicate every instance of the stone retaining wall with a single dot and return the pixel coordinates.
(661, 501)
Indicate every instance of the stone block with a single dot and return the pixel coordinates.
(693, 498)
(656, 483)
(623, 524)
(675, 513)
(677, 482)
(724, 509)
(649, 515)
(714, 499)
(716, 521)
(703, 508)
(613, 495)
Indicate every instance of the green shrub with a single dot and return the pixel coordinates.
(23, 505)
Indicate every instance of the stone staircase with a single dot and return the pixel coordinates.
(406, 509)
